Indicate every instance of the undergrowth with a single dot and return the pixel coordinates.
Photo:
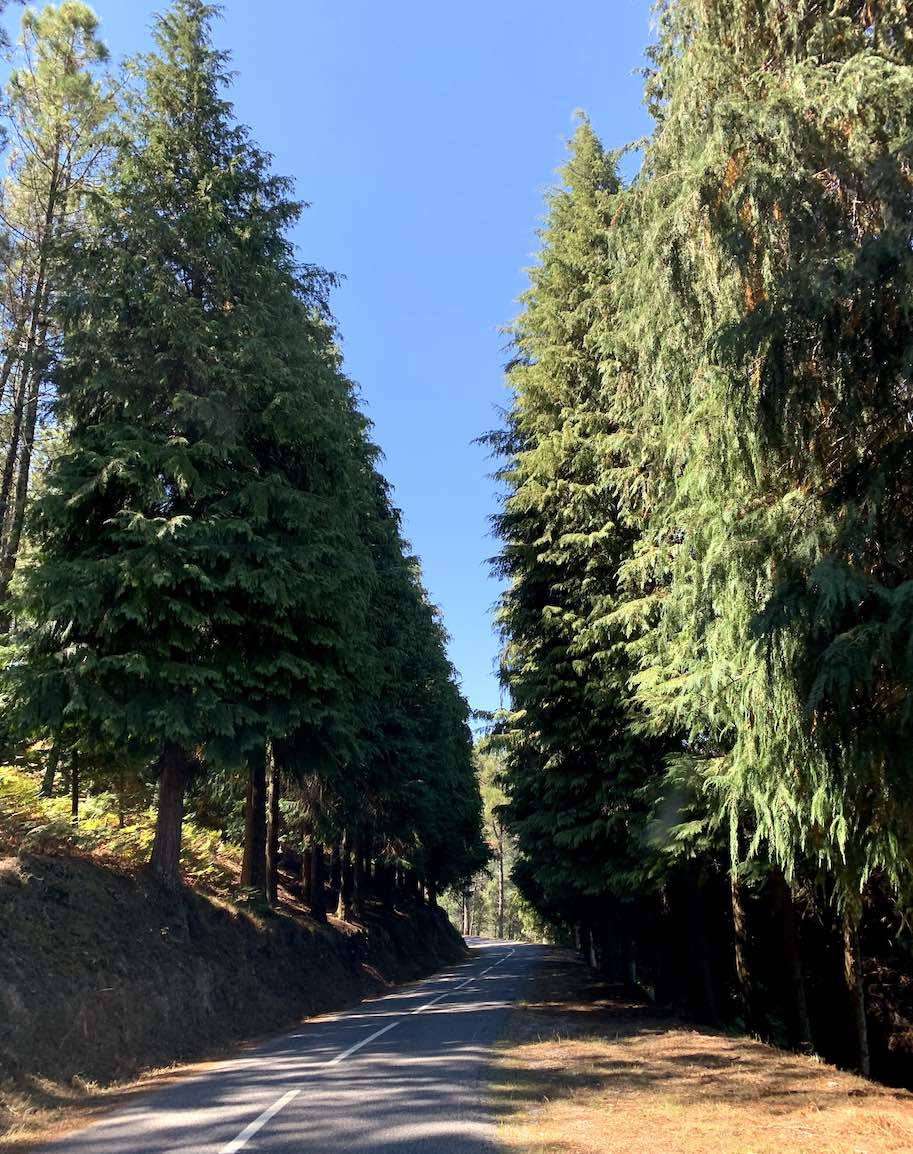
(30, 823)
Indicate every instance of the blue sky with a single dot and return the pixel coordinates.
(424, 134)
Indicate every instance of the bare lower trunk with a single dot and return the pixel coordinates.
(345, 909)
(50, 772)
(336, 870)
(253, 865)
(166, 847)
(318, 900)
(852, 967)
(272, 834)
(432, 893)
(800, 1022)
(74, 787)
(740, 951)
(307, 863)
(501, 887)
(360, 881)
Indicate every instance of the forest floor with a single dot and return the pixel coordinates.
(589, 1069)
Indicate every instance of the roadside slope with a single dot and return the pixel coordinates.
(103, 976)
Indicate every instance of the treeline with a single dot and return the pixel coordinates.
(708, 527)
(488, 904)
(205, 592)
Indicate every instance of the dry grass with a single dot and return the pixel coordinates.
(586, 1071)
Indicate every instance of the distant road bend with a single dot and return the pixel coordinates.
(402, 1073)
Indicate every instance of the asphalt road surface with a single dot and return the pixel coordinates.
(401, 1074)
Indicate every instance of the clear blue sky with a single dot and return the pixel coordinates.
(424, 134)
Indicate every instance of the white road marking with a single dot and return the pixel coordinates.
(252, 1127)
(358, 1045)
(260, 1121)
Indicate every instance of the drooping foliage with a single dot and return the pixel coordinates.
(745, 324)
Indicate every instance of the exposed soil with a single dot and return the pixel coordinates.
(589, 1069)
(102, 977)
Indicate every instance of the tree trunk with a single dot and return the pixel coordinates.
(318, 901)
(307, 864)
(432, 893)
(500, 926)
(74, 787)
(336, 870)
(36, 325)
(345, 909)
(740, 951)
(464, 927)
(800, 1027)
(852, 968)
(253, 866)
(360, 886)
(272, 833)
(166, 847)
(50, 771)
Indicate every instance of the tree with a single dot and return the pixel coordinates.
(574, 763)
(770, 248)
(179, 555)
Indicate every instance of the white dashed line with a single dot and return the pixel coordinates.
(260, 1121)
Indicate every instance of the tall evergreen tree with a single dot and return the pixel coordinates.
(575, 763)
(195, 561)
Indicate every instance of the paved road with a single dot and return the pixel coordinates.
(401, 1074)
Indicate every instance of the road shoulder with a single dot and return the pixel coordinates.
(585, 1068)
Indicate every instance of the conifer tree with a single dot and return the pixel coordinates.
(575, 763)
(197, 549)
(769, 253)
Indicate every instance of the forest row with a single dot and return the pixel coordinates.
(206, 600)
(707, 529)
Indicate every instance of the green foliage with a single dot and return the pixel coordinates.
(30, 823)
(213, 562)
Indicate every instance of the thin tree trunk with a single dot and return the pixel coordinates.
(800, 1021)
(360, 881)
(50, 771)
(272, 833)
(852, 968)
(74, 787)
(17, 517)
(500, 926)
(166, 846)
(345, 908)
(318, 902)
(432, 893)
(253, 866)
(307, 863)
(35, 325)
(14, 354)
(335, 870)
(740, 951)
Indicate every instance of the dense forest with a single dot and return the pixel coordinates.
(207, 604)
(706, 531)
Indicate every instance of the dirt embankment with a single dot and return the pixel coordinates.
(102, 976)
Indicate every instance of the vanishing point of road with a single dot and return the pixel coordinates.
(400, 1074)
